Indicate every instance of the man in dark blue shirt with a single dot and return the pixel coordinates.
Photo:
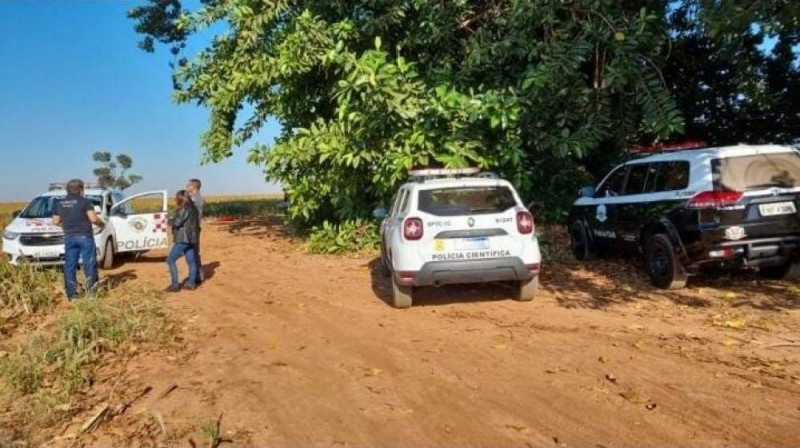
(75, 214)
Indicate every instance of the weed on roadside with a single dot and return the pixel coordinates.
(26, 289)
(55, 363)
(350, 236)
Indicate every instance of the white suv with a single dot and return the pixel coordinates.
(134, 224)
(458, 226)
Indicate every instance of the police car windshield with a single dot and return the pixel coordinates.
(756, 172)
(466, 201)
(42, 207)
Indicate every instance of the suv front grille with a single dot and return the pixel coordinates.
(41, 240)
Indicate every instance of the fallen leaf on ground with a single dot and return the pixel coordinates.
(634, 396)
(611, 377)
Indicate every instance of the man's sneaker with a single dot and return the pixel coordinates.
(172, 288)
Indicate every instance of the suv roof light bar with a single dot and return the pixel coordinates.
(423, 174)
(667, 147)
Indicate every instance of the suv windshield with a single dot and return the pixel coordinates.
(466, 200)
(42, 207)
(757, 172)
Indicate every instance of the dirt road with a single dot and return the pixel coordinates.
(301, 350)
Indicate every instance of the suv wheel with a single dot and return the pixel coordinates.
(663, 265)
(527, 290)
(384, 267)
(107, 262)
(401, 295)
(579, 241)
(786, 271)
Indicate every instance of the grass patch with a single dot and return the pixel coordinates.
(55, 364)
(26, 289)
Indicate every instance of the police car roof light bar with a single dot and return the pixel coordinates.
(668, 147)
(63, 185)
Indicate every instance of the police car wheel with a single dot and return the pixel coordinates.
(527, 290)
(579, 241)
(401, 295)
(787, 271)
(663, 265)
(108, 256)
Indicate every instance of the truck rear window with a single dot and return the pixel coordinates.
(466, 201)
(759, 171)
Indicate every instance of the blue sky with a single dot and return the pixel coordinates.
(73, 81)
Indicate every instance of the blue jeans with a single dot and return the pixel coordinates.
(182, 250)
(79, 247)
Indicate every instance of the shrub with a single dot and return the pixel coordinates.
(350, 236)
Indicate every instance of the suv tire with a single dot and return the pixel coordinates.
(786, 271)
(526, 290)
(664, 266)
(579, 241)
(401, 295)
(384, 267)
(107, 262)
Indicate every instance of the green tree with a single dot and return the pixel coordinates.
(113, 170)
(364, 90)
(732, 87)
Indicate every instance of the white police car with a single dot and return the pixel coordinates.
(458, 226)
(134, 224)
(687, 207)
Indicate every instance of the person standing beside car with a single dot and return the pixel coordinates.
(193, 188)
(75, 214)
(185, 235)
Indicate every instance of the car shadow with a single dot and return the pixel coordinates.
(444, 295)
(112, 281)
(618, 279)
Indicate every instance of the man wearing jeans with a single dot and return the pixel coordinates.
(193, 188)
(75, 214)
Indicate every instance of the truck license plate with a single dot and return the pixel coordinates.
(472, 244)
(777, 208)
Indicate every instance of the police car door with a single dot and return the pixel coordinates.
(139, 222)
(603, 220)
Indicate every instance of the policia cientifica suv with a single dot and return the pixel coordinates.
(685, 210)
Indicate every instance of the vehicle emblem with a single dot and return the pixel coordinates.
(471, 222)
(601, 213)
(138, 225)
(735, 233)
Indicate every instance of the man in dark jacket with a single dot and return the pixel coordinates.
(185, 236)
(76, 214)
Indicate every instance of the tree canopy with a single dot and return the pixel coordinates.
(113, 170)
(547, 92)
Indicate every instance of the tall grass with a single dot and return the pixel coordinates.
(26, 289)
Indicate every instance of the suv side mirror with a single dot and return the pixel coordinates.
(379, 213)
(15, 213)
(587, 192)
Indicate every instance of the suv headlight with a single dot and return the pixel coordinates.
(8, 235)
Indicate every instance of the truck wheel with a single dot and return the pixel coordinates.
(579, 241)
(663, 265)
(526, 291)
(108, 256)
(401, 295)
(786, 271)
